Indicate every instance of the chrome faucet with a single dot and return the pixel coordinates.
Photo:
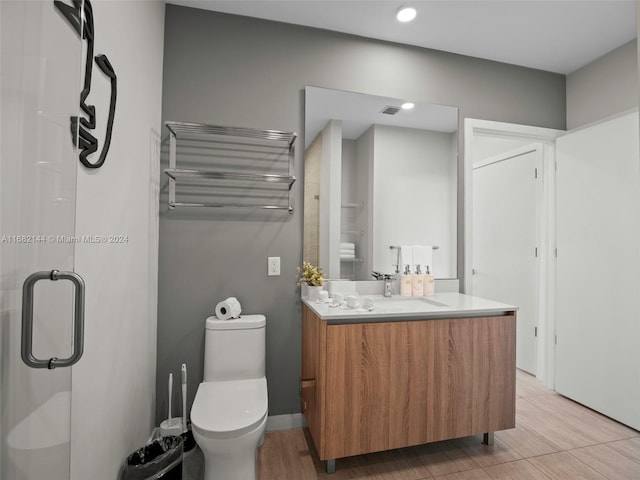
(387, 279)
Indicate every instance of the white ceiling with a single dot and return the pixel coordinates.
(554, 35)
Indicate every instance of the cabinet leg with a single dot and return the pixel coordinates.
(331, 465)
(488, 438)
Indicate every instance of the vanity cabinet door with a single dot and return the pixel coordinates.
(377, 387)
(471, 370)
(396, 384)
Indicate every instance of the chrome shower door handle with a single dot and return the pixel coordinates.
(27, 320)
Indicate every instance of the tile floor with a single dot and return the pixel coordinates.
(554, 438)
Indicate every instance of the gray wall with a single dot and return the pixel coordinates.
(606, 86)
(231, 70)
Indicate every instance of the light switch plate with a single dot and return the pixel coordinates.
(273, 266)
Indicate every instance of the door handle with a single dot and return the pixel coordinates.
(27, 319)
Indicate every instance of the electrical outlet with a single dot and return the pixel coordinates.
(273, 264)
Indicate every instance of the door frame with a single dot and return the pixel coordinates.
(474, 128)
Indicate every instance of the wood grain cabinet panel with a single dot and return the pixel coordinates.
(313, 373)
(378, 382)
(382, 385)
(472, 376)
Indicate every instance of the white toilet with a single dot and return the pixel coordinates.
(229, 412)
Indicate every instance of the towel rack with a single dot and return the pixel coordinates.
(232, 154)
(397, 247)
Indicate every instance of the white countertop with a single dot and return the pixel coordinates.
(440, 305)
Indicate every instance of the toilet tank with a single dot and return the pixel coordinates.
(234, 349)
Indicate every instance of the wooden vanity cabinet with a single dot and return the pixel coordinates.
(376, 386)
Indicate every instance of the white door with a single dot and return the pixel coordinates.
(41, 65)
(598, 268)
(506, 249)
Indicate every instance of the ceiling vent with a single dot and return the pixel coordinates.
(390, 110)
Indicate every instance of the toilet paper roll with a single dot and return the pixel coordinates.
(229, 308)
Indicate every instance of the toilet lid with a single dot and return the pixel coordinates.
(230, 408)
(244, 322)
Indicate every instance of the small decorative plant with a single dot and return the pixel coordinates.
(310, 274)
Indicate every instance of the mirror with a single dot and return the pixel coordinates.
(378, 176)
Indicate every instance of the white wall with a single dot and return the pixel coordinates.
(113, 399)
(413, 204)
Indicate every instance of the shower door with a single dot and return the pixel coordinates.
(41, 74)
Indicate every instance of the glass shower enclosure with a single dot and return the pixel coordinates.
(41, 79)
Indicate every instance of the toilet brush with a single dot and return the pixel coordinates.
(187, 434)
(170, 426)
(183, 378)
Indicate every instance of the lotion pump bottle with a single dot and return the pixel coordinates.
(429, 286)
(406, 283)
(418, 283)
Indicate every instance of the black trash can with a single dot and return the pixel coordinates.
(161, 459)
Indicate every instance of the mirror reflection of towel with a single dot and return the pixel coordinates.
(347, 253)
(423, 256)
(406, 258)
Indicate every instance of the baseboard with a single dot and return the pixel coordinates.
(285, 422)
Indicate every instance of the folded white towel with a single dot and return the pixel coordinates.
(347, 256)
(423, 256)
(347, 250)
(406, 257)
(347, 245)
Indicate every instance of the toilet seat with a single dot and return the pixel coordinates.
(226, 409)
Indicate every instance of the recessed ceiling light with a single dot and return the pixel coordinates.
(406, 14)
(407, 105)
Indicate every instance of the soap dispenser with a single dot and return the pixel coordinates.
(429, 285)
(406, 283)
(418, 283)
